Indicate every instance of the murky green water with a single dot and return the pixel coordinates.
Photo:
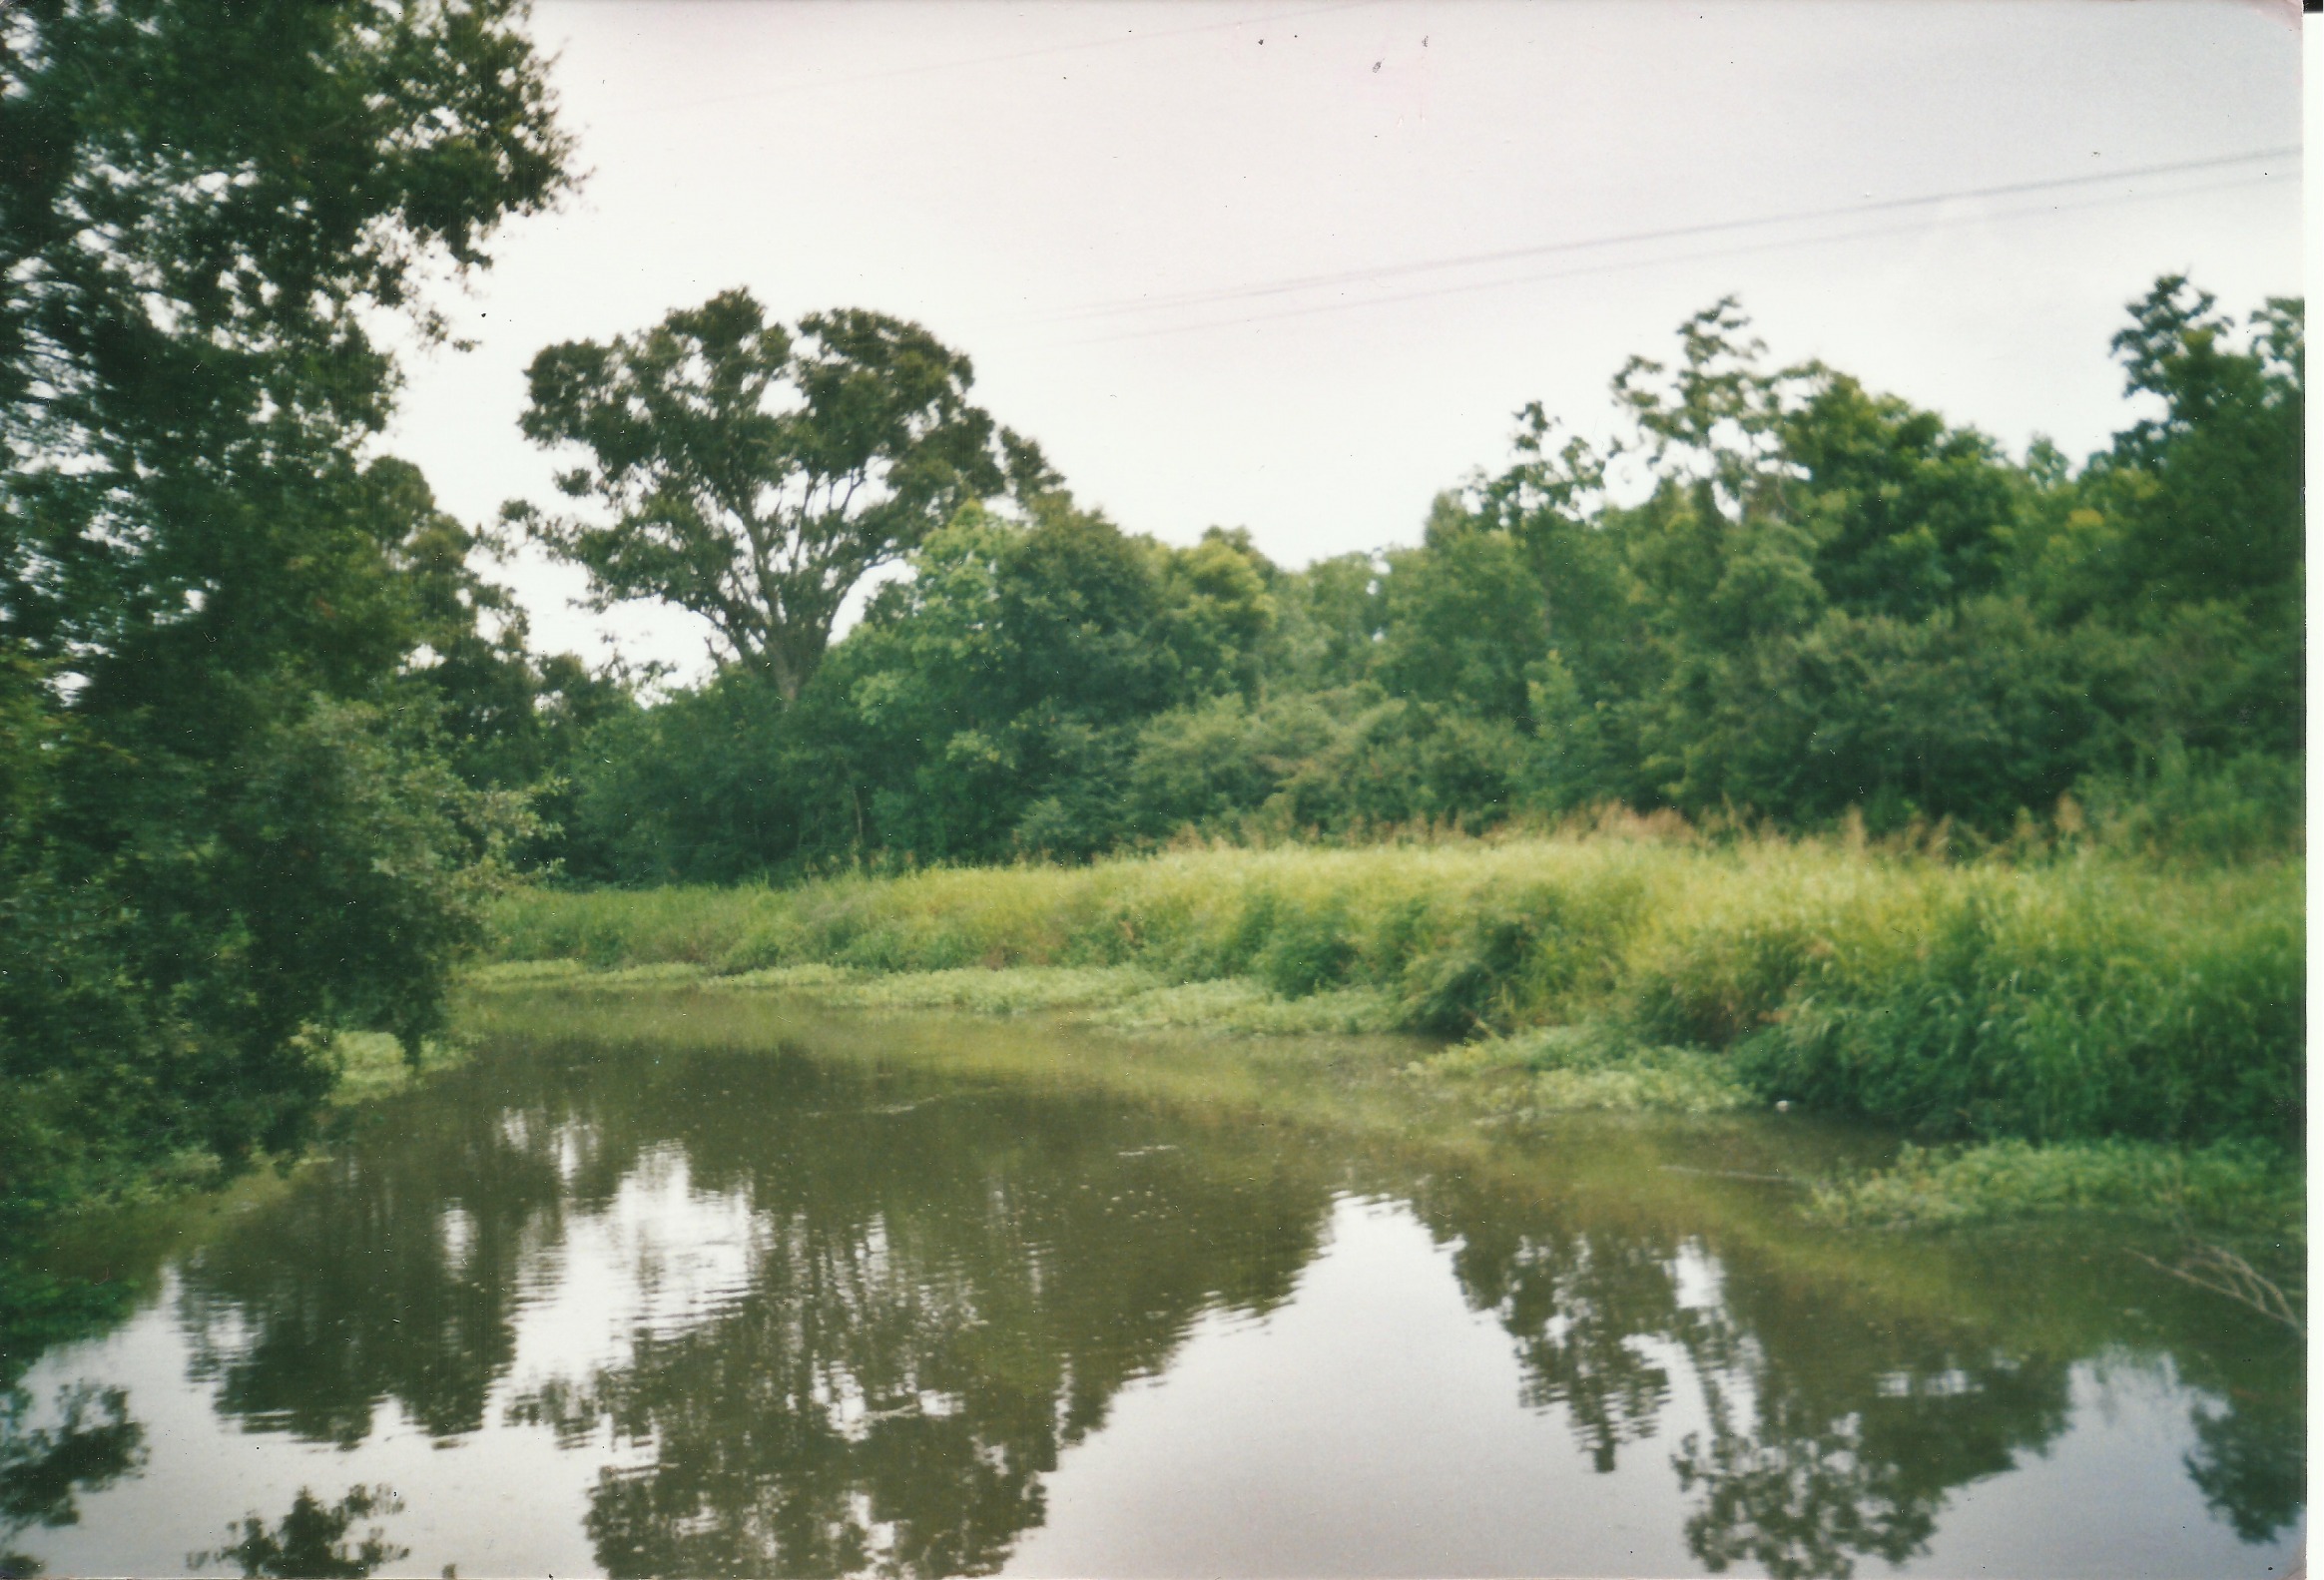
(774, 1301)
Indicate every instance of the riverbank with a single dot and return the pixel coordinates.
(2141, 1027)
(46, 1298)
(2074, 999)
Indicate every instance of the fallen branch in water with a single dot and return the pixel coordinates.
(2223, 1271)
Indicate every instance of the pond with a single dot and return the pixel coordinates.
(809, 1295)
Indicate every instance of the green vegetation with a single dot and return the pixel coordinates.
(1576, 1069)
(1786, 748)
(1936, 785)
(2240, 1210)
(2071, 998)
(249, 741)
(753, 475)
(371, 1064)
(2229, 1183)
(1029, 1214)
(1827, 755)
(1770, 597)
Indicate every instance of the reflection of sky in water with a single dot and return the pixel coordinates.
(1353, 1432)
(1369, 1426)
(659, 1257)
(1416, 1404)
(500, 1502)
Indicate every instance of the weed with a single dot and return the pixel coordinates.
(2077, 997)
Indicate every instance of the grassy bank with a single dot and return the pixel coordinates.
(2080, 999)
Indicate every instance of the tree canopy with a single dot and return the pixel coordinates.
(752, 475)
(199, 202)
(267, 739)
(1773, 594)
(228, 818)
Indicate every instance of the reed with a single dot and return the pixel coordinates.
(2081, 997)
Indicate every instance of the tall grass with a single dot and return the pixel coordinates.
(2082, 998)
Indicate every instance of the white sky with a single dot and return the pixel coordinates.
(998, 172)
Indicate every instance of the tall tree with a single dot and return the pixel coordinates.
(218, 833)
(2211, 491)
(754, 474)
(1463, 617)
(199, 200)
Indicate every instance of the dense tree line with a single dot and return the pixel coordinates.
(1776, 595)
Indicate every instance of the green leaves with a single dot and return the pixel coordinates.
(226, 824)
(203, 199)
(753, 476)
(2209, 494)
(1778, 596)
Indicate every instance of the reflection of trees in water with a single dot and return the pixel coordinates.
(943, 1296)
(1831, 1438)
(1804, 1497)
(819, 1430)
(1837, 1433)
(942, 1289)
(1834, 1431)
(1794, 1473)
(310, 1542)
(2251, 1459)
(390, 1273)
(1577, 1301)
(44, 1469)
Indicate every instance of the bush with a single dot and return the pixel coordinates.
(2076, 1002)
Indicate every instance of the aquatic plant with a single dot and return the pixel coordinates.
(2238, 1183)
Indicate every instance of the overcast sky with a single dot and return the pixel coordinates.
(1294, 266)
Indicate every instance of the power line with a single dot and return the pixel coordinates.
(1650, 263)
(1674, 232)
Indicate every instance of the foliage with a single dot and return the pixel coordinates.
(986, 707)
(1565, 1069)
(1462, 619)
(851, 1396)
(166, 995)
(202, 202)
(236, 647)
(2083, 997)
(2093, 1004)
(1777, 596)
(752, 475)
(2228, 1183)
(268, 737)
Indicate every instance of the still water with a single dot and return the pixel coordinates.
(788, 1300)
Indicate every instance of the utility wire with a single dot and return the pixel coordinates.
(1514, 254)
(1682, 258)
